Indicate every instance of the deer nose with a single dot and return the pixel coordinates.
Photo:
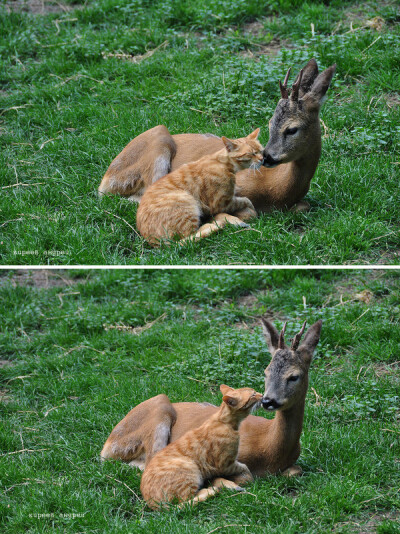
(269, 161)
(270, 404)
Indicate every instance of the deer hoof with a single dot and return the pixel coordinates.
(301, 207)
(293, 471)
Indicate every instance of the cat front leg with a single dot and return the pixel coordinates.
(219, 221)
(221, 483)
(201, 496)
(240, 474)
(242, 208)
(205, 493)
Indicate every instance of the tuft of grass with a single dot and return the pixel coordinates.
(71, 378)
(69, 104)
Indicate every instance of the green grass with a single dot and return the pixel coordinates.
(72, 380)
(67, 110)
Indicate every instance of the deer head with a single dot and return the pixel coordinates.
(286, 377)
(295, 123)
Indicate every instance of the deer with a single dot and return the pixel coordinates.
(266, 446)
(291, 155)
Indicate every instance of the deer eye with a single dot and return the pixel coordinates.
(291, 131)
(293, 378)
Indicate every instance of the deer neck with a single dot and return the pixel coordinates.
(287, 426)
(303, 168)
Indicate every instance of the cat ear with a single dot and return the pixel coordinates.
(224, 389)
(254, 134)
(230, 401)
(229, 144)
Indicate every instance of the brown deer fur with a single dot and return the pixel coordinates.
(266, 445)
(290, 159)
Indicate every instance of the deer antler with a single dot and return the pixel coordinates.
(281, 342)
(297, 337)
(296, 86)
(283, 88)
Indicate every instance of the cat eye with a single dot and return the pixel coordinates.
(293, 378)
(291, 131)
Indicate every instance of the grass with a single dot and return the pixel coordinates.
(69, 105)
(68, 378)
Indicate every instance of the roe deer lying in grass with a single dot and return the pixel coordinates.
(290, 157)
(266, 446)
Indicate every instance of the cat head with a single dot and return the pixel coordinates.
(246, 152)
(240, 400)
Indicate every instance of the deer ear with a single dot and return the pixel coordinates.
(230, 401)
(310, 340)
(320, 86)
(310, 72)
(254, 134)
(271, 335)
(229, 144)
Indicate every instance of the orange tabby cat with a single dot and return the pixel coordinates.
(176, 203)
(179, 471)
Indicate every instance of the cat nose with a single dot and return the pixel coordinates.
(270, 404)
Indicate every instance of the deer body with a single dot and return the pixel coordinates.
(265, 446)
(290, 160)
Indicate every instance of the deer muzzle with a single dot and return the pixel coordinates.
(270, 404)
(269, 161)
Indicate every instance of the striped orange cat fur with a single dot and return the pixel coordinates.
(179, 471)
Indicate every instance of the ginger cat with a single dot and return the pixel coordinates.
(176, 203)
(179, 471)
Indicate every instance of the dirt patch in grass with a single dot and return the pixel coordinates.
(41, 278)
(352, 290)
(38, 7)
(388, 258)
(362, 12)
(6, 363)
(270, 49)
(254, 28)
(390, 370)
(4, 397)
(252, 301)
(392, 100)
(248, 301)
(363, 526)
